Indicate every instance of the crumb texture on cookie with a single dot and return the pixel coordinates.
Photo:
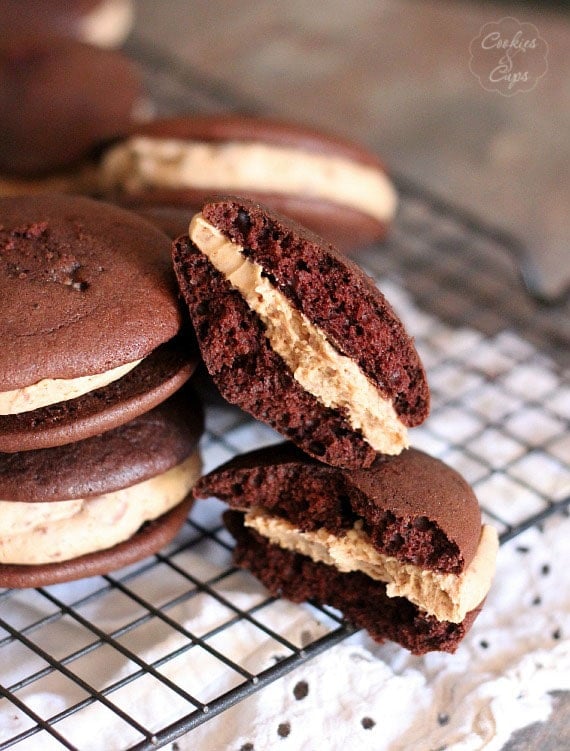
(335, 380)
(412, 506)
(446, 596)
(250, 374)
(297, 335)
(333, 293)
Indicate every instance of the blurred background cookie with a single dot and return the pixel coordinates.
(102, 22)
(59, 98)
(167, 168)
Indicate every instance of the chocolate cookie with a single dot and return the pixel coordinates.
(297, 335)
(88, 320)
(399, 548)
(59, 98)
(167, 168)
(74, 510)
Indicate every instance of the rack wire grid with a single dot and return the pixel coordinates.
(483, 341)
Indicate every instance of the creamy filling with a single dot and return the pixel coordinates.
(55, 390)
(140, 163)
(332, 378)
(36, 533)
(448, 597)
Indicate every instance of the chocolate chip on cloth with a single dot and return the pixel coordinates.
(96, 505)
(89, 323)
(399, 548)
(297, 335)
(168, 168)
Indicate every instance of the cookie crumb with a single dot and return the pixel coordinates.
(284, 729)
(442, 718)
(301, 690)
(247, 747)
(367, 723)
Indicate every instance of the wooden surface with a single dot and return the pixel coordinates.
(395, 76)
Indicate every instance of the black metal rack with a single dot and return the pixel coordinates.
(456, 284)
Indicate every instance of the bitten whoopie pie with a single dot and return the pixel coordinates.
(399, 548)
(297, 335)
(96, 505)
(167, 167)
(59, 98)
(88, 323)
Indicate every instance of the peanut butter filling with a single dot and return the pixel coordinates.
(332, 378)
(55, 390)
(36, 533)
(448, 597)
(140, 163)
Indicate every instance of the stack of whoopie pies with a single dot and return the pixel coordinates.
(98, 433)
(344, 512)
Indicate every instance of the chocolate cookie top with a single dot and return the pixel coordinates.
(413, 506)
(147, 446)
(59, 98)
(334, 294)
(85, 287)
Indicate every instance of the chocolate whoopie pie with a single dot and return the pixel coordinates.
(399, 548)
(59, 98)
(297, 335)
(96, 505)
(89, 321)
(166, 168)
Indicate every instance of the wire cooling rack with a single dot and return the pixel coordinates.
(146, 651)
